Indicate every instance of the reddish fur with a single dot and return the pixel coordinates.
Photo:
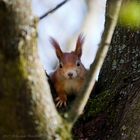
(63, 84)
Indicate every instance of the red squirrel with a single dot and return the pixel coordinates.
(70, 74)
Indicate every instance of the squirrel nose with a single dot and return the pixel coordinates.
(70, 74)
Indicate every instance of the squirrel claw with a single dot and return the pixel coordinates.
(60, 102)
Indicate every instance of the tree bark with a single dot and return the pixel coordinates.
(121, 77)
(26, 106)
(114, 114)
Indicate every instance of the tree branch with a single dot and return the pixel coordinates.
(82, 99)
(54, 9)
(24, 91)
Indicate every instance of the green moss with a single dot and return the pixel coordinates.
(97, 104)
(65, 131)
(12, 78)
(12, 73)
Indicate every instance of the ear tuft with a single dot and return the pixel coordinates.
(79, 44)
(57, 48)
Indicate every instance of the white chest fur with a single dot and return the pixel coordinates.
(71, 86)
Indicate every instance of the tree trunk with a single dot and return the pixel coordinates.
(114, 114)
(120, 76)
(26, 106)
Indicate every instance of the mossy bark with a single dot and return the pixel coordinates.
(121, 75)
(26, 106)
(114, 111)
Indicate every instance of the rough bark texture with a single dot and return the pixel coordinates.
(26, 107)
(120, 80)
(114, 114)
(113, 110)
(121, 77)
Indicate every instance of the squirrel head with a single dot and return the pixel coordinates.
(70, 65)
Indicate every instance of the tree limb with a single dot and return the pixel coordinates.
(82, 99)
(54, 9)
(24, 91)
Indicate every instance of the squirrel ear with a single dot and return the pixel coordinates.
(79, 44)
(57, 48)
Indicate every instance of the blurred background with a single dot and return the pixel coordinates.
(65, 24)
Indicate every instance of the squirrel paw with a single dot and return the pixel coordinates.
(60, 102)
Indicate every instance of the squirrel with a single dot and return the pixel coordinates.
(69, 76)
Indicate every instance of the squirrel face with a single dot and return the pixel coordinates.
(70, 66)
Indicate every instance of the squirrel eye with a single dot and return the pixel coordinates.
(78, 63)
(60, 65)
